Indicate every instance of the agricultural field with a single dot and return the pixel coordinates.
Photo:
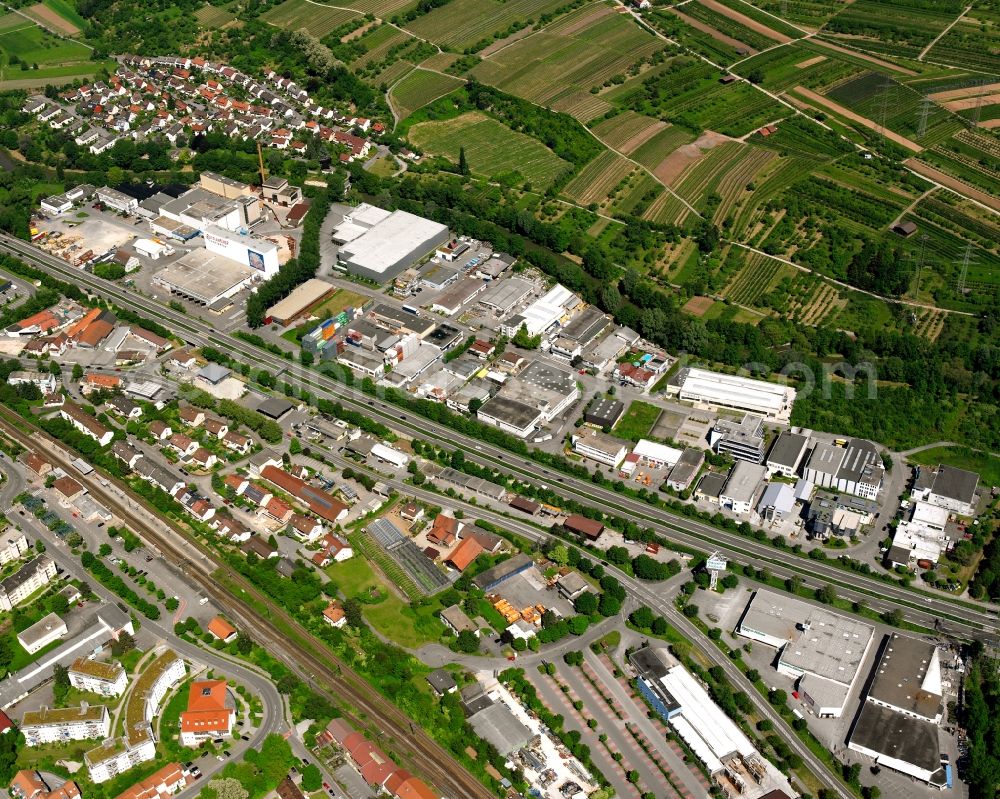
(690, 94)
(703, 176)
(594, 184)
(23, 41)
(419, 88)
(376, 43)
(381, 9)
(213, 17)
(755, 279)
(560, 66)
(314, 17)
(896, 106)
(667, 209)
(653, 152)
(730, 29)
(491, 148)
(466, 23)
(57, 15)
(973, 43)
(627, 131)
(970, 157)
(796, 65)
(809, 14)
(893, 27)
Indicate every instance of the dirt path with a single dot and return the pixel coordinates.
(747, 22)
(864, 56)
(718, 35)
(830, 105)
(965, 103)
(956, 185)
(961, 94)
(937, 38)
(636, 140)
(912, 205)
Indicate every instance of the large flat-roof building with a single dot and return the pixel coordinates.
(787, 453)
(299, 301)
(955, 490)
(258, 253)
(42, 633)
(742, 487)
(599, 446)
(502, 296)
(820, 649)
(717, 390)
(716, 740)
(897, 725)
(205, 277)
(543, 313)
(391, 245)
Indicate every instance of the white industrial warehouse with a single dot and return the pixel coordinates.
(717, 390)
(378, 245)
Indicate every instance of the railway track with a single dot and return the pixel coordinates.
(314, 663)
(969, 616)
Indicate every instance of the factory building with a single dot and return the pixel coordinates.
(379, 247)
(299, 302)
(205, 277)
(716, 390)
(897, 725)
(822, 650)
(856, 468)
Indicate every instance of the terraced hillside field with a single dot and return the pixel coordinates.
(464, 23)
(490, 148)
(316, 18)
(560, 65)
(419, 88)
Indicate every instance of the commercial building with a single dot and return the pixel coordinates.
(856, 468)
(97, 677)
(60, 725)
(34, 574)
(387, 454)
(46, 381)
(225, 187)
(897, 725)
(500, 727)
(955, 490)
(742, 487)
(743, 438)
(258, 253)
(205, 277)
(510, 415)
(301, 300)
(656, 455)
(582, 526)
(496, 575)
(599, 446)
(787, 453)
(777, 502)
(208, 713)
(716, 390)
(394, 243)
(603, 412)
(117, 200)
(501, 297)
(199, 209)
(543, 313)
(716, 740)
(820, 649)
(42, 633)
(546, 387)
(686, 469)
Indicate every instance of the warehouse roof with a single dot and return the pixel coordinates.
(743, 481)
(380, 247)
(204, 276)
(787, 449)
(908, 676)
(733, 390)
(826, 458)
(897, 736)
(505, 294)
(955, 484)
(510, 411)
(500, 727)
(302, 296)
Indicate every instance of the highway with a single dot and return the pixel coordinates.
(962, 617)
(267, 624)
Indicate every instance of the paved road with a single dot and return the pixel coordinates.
(967, 618)
(274, 712)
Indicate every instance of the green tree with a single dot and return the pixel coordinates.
(312, 778)
(60, 683)
(559, 554)
(642, 618)
(463, 163)
(586, 603)
(468, 642)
